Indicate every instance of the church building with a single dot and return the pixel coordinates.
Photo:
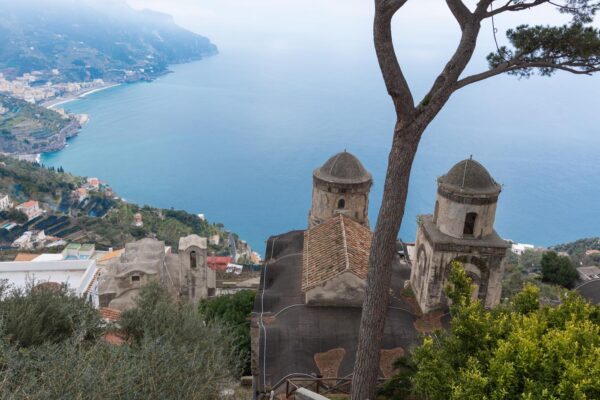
(460, 229)
(307, 313)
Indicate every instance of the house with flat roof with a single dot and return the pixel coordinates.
(79, 275)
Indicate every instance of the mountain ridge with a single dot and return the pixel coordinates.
(84, 41)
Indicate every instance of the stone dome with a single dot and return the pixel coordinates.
(469, 176)
(344, 167)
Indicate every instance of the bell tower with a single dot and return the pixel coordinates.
(340, 186)
(460, 229)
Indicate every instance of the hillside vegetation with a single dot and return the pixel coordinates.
(26, 128)
(101, 219)
(87, 40)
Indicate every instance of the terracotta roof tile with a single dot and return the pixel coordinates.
(110, 314)
(332, 248)
(26, 257)
(110, 255)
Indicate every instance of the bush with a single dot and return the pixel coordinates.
(558, 269)
(519, 350)
(46, 313)
(233, 311)
(172, 354)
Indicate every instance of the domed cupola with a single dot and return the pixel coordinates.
(466, 201)
(340, 186)
(469, 178)
(343, 168)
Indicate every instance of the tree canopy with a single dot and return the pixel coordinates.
(558, 269)
(517, 351)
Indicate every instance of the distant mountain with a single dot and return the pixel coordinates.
(87, 39)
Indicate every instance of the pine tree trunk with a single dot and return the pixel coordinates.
(366, 368)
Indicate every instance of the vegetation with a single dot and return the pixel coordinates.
(518, 350)
(573, 47)
(27, 128)
(558, 269)
(87, 42)
(524, 269)
(173, 353)
(577, 250)
(233, 311)
(102, 220)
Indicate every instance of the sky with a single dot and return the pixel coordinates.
(425, 32)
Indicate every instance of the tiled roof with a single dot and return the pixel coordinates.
(29, 204)
(110, 255)
(339, 245)
(110, 314)
(26, 257)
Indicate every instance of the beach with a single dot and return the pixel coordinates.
(78, 95)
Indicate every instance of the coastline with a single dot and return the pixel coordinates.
(79, 95)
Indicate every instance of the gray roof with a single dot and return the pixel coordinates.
(471, 177)
(344, 167)
(590, 290)
(293, 333)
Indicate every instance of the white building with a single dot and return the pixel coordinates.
(30, 240)
(4, 202)
(520, 248)
(30, 208)
(80, 275)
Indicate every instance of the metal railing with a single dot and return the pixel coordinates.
(321, 385)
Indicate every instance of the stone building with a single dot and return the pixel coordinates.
(307, 313)
(461, 229)
(185, 273)
(340, 186)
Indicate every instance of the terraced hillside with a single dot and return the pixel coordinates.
(26, 128)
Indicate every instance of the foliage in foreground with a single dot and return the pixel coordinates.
(45, 313)
(233, 311)
(517, 351)
(172, 354)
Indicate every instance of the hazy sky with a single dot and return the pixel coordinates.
(229, 22)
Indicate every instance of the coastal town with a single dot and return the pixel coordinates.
(36, 87)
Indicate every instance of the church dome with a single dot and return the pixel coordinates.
(343, 168)
(469, 176)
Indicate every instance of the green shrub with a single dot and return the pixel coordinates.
(46, 314)
(558, 269)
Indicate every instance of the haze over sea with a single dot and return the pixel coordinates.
(236, 136)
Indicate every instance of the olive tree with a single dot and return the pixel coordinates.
(573, 47)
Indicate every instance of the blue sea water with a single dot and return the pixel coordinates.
(237, 136)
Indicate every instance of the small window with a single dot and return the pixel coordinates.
(193, 260)
(341, 203)
(135, 278)
(343, 190)
(436, 212)
(470, 224)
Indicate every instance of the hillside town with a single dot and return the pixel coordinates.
(37, 86)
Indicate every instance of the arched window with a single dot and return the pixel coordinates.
(193, 263)
(436, 211)
(470, 224)
(341, 203)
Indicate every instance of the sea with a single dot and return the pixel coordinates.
(237, 136)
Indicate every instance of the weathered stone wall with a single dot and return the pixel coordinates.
(450, 217)
(326, 197)
(430, 271)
